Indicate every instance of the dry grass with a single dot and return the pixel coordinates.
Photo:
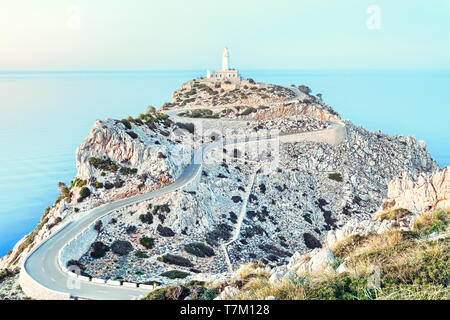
(259, 289)
(436, 221)
(410, 267)
(394, 214)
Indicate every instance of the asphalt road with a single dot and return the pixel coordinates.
(42, 264)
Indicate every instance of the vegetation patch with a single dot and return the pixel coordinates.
(248, 111)
(165, 231)
(141, 254)
(310, 241)
(394, 214)
(98, 249)
(433, 222)
(147, 242)
(105, 164)
(196, 290)
(146, 218)
(221, 231)
(98, 185)
(128, 171)
(175, 274)
(84, 193)
(6, 273)
(132, 134)
(189, 127)
(126, 123)
(121, 247)
(199, 249)
(203, 113)
(78, 183)
(335, 176)
(176, 260)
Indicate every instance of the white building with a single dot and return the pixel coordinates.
(226, 74)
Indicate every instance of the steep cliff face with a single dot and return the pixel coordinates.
(137, 147)
(301, 195)
(118, 159)
(421, 193)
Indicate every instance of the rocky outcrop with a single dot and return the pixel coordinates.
(313, 108)
(130, 158)
(307, 195)
(202, 92)
(422, 193)
(137, 147)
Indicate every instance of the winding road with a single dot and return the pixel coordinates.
(42, 269)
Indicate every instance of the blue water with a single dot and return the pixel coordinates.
(45, 116)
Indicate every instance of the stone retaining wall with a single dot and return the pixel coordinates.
(37, 291)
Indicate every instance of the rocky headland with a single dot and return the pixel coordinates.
(278, 212)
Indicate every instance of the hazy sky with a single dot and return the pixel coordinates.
(170, 34)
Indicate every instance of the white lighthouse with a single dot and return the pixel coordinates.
(225, 60)
(227, 74)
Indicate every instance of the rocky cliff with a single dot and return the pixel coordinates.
(395, 254)
(421, 193)
(291, 197)
(118, 159)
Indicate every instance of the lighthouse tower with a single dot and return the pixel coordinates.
(225, 60)
(227, 74)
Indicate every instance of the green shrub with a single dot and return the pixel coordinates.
(310, 241)
(65, 192)
(199, 249)
(304, 89)
(127, 171)
(175, 274)
(175, 260)
(221, 231)
(248, 111)
(5, 273)
(112, 167)
(147, 242)
(109, 185)
(307, 218)
(173, 292)
(335, 176)
(209, 294)
(78, 183)
(141, 254)
(189, 127)
(132, 134)
(126, 123)
(340, 288)
(98, 250)
(105, 164)
(165, 231)
(146, 218)
(271, 249)
(84, 193)
(98, 225)
(431, 222)
(99, 185)
(150, 110)
(121, 247)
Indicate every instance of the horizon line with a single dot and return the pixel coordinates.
(190, 70)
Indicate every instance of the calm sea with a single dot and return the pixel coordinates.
(45, 116)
